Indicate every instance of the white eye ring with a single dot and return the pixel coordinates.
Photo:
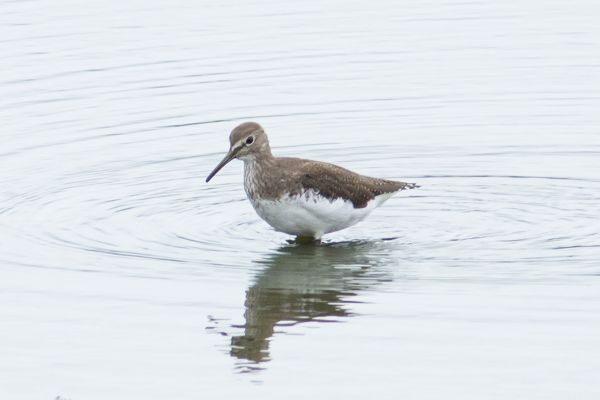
(249, 140)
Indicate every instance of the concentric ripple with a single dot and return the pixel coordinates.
(158, 210)
(106, 216)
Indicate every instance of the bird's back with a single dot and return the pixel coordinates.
(332, 181)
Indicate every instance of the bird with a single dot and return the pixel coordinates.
(299, 197)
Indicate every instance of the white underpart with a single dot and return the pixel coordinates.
(311, 214)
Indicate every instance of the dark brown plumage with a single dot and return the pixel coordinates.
(296, 176)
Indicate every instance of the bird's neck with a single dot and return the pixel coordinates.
(256, 172)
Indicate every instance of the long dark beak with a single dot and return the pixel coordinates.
(230, 156)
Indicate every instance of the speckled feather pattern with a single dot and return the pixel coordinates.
(271, 178)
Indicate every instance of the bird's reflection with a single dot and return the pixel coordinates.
(302, 283)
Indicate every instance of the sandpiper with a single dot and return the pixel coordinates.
(300, 197)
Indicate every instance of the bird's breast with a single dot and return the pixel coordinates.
(252, 180)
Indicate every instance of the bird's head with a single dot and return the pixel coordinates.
(247, 142)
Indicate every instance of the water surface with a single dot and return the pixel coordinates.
(123, 275)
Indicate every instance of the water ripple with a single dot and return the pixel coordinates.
(160, 210)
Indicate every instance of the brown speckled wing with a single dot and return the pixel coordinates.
(336, 182)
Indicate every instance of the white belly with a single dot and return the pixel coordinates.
(312, 215)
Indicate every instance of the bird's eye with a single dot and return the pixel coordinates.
(249, 140)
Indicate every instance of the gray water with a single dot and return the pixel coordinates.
(124, 276)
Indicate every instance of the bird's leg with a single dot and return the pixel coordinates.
(307, 240)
